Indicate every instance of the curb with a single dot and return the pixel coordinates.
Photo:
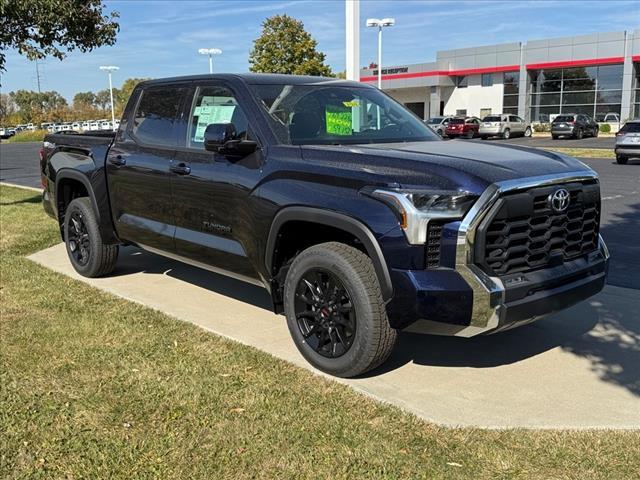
(23, 187)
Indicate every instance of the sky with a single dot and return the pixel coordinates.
(161, 38)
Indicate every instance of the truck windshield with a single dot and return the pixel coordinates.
(335, 115)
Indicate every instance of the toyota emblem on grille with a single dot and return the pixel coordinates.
(559, 200)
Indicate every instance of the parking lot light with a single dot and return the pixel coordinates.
(109, 69)
(380, 24)
(211, 52)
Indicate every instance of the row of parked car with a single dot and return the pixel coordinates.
(79, 126)
(506, 126)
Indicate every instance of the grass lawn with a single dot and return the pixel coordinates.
(583, 152)
(93, 386)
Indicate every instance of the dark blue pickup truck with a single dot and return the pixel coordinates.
(356, 217)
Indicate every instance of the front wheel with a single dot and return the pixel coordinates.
(555, 137)
(596, 131)
(335, 312)
(88, 255)
(506, 134)
(527, 132)
(622, 160)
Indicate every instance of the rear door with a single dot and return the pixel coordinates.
(138, 172)
(212, 202)
(517, 125)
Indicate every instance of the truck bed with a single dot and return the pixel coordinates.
(81, 139)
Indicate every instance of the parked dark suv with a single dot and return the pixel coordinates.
(355, 216)
(574, 126)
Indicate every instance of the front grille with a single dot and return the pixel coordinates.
(434, 241)
(522, 233)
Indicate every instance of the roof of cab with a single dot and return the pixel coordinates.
(260, 79)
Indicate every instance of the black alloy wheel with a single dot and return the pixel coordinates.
(78, 238)
(325, 313)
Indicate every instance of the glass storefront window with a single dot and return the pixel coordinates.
(511, 81)
(510, 101)
(581, 90)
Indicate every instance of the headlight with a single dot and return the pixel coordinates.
(415, 208)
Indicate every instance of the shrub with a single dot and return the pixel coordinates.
(27, 136)
(541, 127)
(605, 128)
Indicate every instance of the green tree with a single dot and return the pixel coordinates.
(84, 100)
(40, 28)
(33, 106)
(286, 47)
(103, 98)
(125, 91)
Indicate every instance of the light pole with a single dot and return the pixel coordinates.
(211, 52)
(385, 22)
(109, 69)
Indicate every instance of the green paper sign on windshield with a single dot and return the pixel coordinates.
(338, 120)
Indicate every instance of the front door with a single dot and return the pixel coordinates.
(138, 170)
(212, 205)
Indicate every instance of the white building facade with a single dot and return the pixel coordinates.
(596, 74)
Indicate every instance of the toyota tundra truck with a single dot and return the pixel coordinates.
(357, 218)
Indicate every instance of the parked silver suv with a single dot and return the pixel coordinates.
(628, 142)
(504, 126)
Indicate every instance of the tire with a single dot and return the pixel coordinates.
(596, 131)
(506, 134)
(579, 134)
(527, 132)
(555, 137)
(88, 255)
(484, 137)
(470, 134)
(366, 339)
(622, 160)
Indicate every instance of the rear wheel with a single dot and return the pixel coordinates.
(88, 255)
(579, 134)
(621, 159)
(484, 137)
(506, 134)
(527, 132)
(335, 312)
(470, 134)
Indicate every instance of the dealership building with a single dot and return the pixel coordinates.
(596, 74)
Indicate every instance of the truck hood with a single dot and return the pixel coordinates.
(471, 165)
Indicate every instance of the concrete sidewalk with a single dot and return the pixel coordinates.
(577, 369)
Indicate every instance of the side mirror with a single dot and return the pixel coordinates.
(217, 135)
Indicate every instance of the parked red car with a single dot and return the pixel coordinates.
(463, 127)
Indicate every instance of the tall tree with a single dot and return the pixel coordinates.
(83, 100)
(103, 98)
(34, 106)
(286, 47)
(7, 107)
(125, 91)
(40, 28)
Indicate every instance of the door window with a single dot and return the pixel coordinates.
(513, 119)
(156, 114)
(211, 105)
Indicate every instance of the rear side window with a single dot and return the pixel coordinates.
(631, 128)
(156, 115)
(491, 119)
(211, 105)
(456, 121)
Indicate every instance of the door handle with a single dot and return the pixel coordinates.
(180, 169)
(118, 160)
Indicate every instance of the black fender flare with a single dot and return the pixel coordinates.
(342, 222)
(70, 174)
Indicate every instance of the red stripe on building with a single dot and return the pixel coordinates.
(435, 73)
(636, 58)
(575, 63)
